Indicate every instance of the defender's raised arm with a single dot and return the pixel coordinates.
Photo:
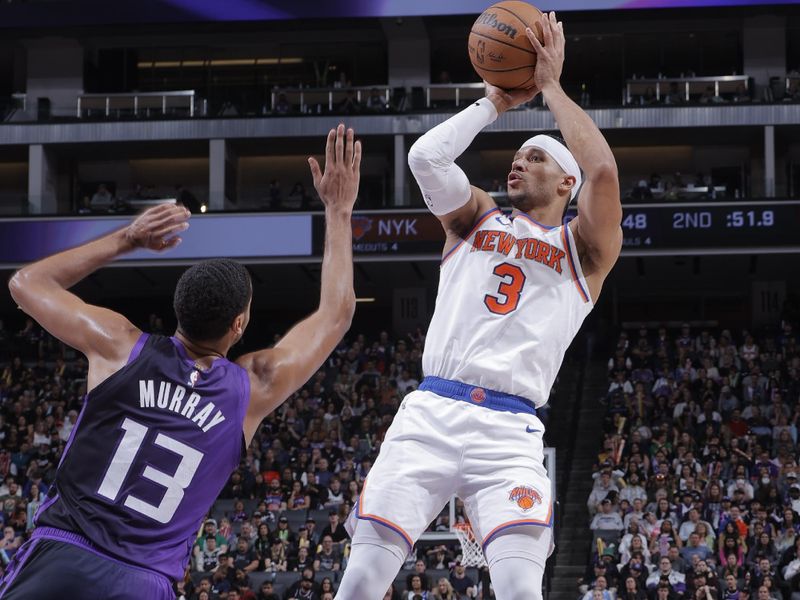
(277, 372)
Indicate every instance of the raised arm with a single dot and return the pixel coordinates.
(445, 187)
(597, 227)
(277, 372)
(41, 290)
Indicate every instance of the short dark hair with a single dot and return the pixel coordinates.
(209, 296)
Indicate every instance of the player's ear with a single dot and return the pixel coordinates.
(239, 324)
(567, 183)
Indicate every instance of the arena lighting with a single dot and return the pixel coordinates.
(220, 62)
(365, 299)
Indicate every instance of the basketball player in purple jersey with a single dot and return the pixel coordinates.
(165, 419)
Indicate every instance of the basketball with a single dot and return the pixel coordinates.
(525, 503)
(498, 47)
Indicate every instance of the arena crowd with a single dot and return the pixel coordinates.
(696, 491)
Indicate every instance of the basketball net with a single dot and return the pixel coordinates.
(471, 553)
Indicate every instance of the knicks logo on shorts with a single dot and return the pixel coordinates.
(477, 395)
(525, 497)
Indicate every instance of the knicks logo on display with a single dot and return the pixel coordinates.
(525, 496)
(477, 395)
(361, 225)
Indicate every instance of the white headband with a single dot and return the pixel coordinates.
(561, 154)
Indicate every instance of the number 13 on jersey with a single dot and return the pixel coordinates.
(509, 290)
(175, 484)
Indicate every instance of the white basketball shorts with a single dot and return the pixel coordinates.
(438, 446)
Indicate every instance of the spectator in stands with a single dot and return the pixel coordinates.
(304, 588)
(275, 198)
(303, 560)
(334, 528)
(282, 106)
(283, 533)
(602, 487)
(665, 573)
(674, 95)
(275, 498)
(632, 591)
(350, 104)
(208, 558)
(695, 548)
(444, 591)
(334, 494)
(414, 590)
(419, 571)
(328, 558)
(300, 197)
(266, 592)
(102, 200)
(607, 518)
(298, 498)
(376, 103)
(690, 525)
(461, 582)
(245, 557)
(641, 192)
(276, 559)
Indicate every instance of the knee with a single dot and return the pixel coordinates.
(522, 589)
(360, 573)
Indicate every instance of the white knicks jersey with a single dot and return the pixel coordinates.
(511, 298)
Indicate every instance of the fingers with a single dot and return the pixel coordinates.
(357, 157)
(547, 28)
(316, 172)
(339, 143)
(169, 230)
(166, 244)
(329, 145)
(537, 45)
(348, 148)
(173, 215)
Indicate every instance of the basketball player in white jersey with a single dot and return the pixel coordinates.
(513, 293)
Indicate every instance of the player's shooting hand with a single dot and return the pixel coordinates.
(550, 55)
(338, 185)
(158, 228)
(504, 100)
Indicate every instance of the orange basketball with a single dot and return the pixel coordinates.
(498, 47)
(525, 502)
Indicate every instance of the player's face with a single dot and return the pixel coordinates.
(534, 179)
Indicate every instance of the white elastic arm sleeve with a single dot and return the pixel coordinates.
(444, 185)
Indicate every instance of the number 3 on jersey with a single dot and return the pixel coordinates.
(510, 289)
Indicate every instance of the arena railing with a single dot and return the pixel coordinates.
(306, 98)
(141, 102)
(686, 86)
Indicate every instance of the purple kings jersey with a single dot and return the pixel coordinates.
(151, 450)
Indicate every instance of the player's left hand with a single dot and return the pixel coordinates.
(504, 100)
(550, 55)
(157, 228)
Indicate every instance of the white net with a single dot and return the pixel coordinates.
(471, 553)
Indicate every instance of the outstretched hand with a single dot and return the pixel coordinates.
(157, 228)
(550, 54)
(337, 186)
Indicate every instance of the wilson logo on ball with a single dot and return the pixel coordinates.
(490, 19)
(525, 496)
